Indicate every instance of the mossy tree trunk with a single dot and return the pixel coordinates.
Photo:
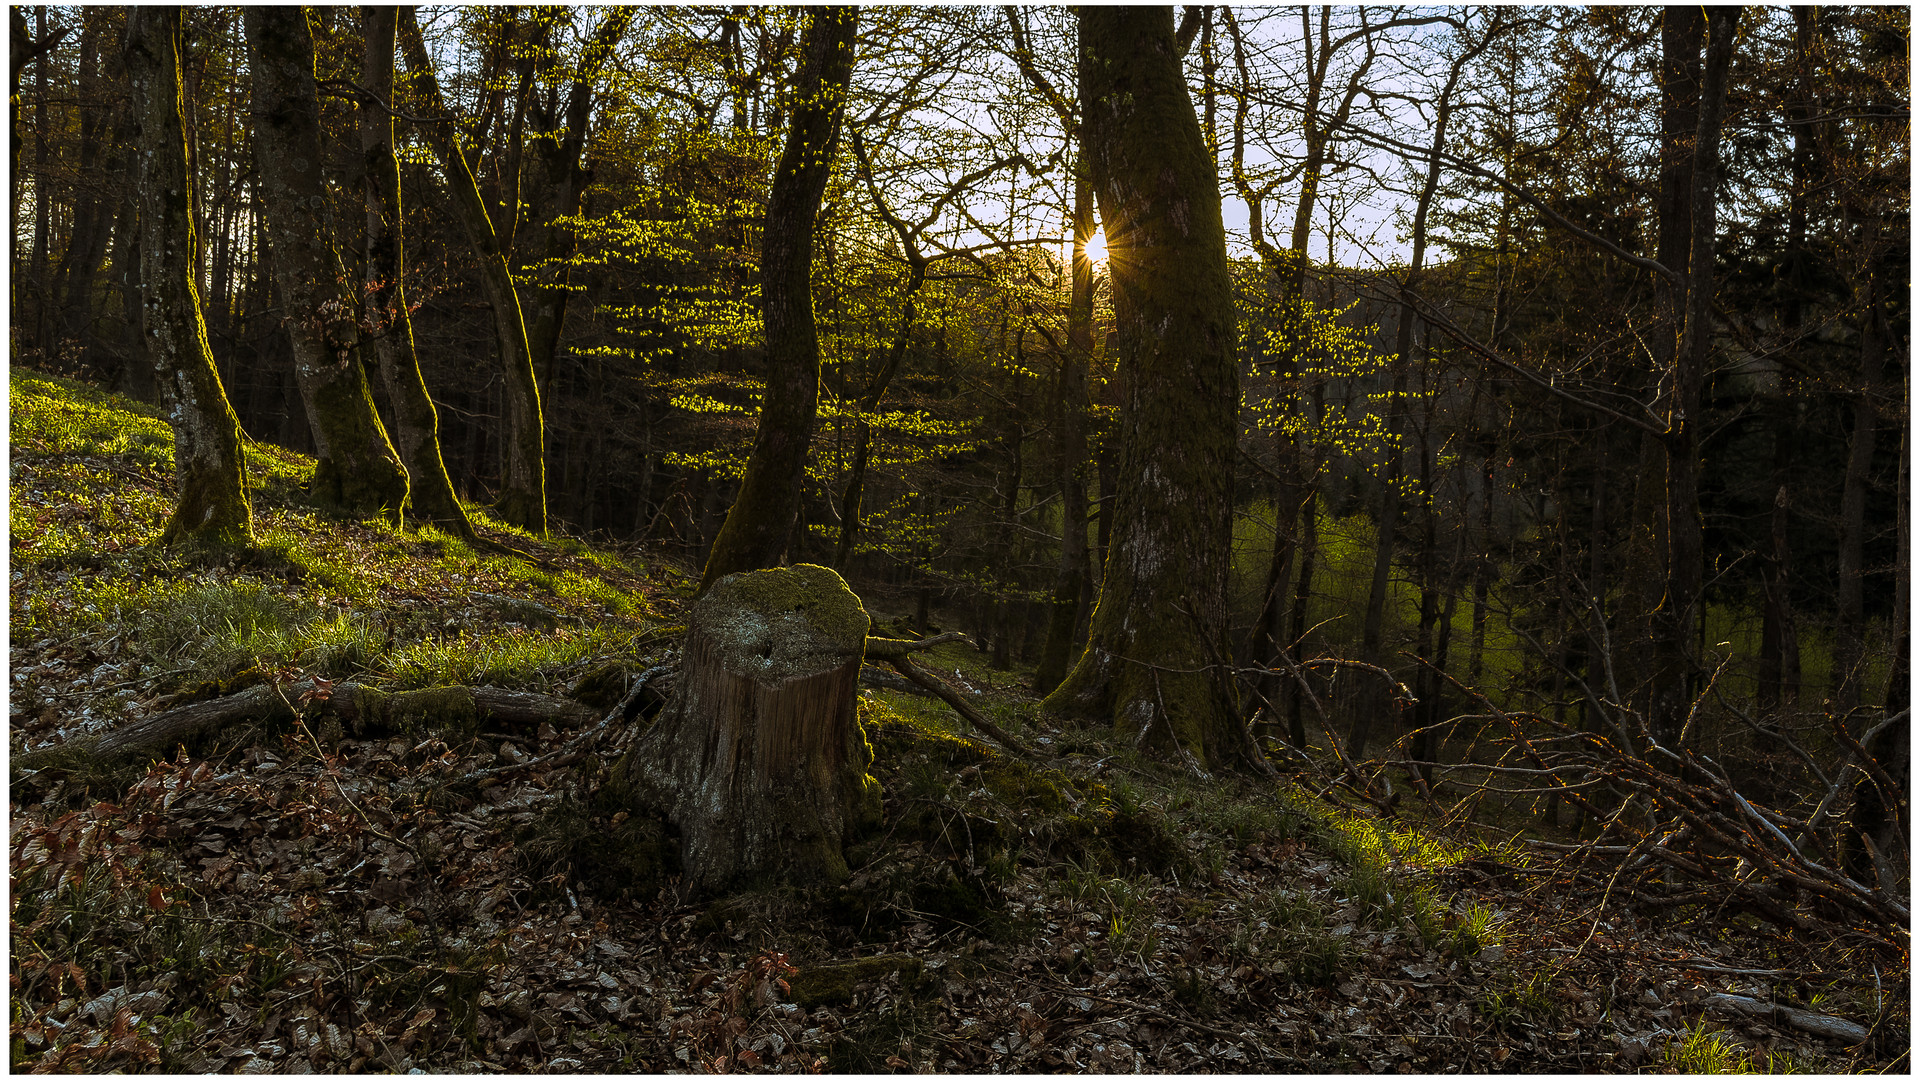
(1155, 650)
(358, 470)
(523, 491)
(207, 460)
(416, 424)
(758, 758)
(757, 528)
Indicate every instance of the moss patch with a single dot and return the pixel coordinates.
(836, 984)
(785, 623)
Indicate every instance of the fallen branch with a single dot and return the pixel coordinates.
(1813, 1023)
(941, 690)
(877, 679)
(880, 648)
(362, 709)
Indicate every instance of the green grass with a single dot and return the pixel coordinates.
(345, 599)
(1290, 929)
(1513, 1002)
(515, 658)
(1710, 1052)
(51, 415)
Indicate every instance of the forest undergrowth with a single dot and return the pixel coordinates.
(301, 897)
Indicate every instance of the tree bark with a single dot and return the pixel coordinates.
(1387, 519)
(758, 758)
(760, 522)
(92, 212)
(42, 200)
(1063, 615)
(1157, 645)
(358, 471)
(209, 468)
(416, 422)
(523, 494)
(1849, 644)
(1680, 614)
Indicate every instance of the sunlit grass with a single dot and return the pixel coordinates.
(51, 415)
(515, 657)
(1709, 1052)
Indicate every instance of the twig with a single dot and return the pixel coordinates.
(879, 648)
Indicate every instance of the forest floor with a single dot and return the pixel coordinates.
(300, 899)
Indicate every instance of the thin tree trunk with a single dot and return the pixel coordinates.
(358, 470)
(1849, 646)
(757, 528)
(416, 421)
(1483, 567)
(1388, 517)
(72, 288)
(1309, 549)
(42, 201)
(1677, 619)
(210, 470)
(523, 488)
(1070, 451)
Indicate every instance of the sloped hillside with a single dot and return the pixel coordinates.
(295, 896)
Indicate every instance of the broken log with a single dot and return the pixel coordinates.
(361, 709)
(1813, 1023)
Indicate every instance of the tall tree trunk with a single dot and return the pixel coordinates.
(72, 287)
(1678, 617)
(1777, 638)
(1388, 517)
(358, 470)
(1646, 559)
(1070, 450)
(863, 429)
(1896, 695)
(25, 47)
(416, 422)
(1849, 645)
(1309, 549)
(757, 528)
(523, 488)
(1483, 570)
(42, 201)
(208, 465)
(1157, 645)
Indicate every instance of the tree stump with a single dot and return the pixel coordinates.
(758, 758)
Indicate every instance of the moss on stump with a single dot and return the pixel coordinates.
(759, 759)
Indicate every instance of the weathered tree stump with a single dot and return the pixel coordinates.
(758, 758)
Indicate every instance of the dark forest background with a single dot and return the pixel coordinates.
(1456, 455)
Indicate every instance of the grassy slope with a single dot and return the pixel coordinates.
(318, 901)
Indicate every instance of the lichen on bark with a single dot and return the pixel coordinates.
(214, 506)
